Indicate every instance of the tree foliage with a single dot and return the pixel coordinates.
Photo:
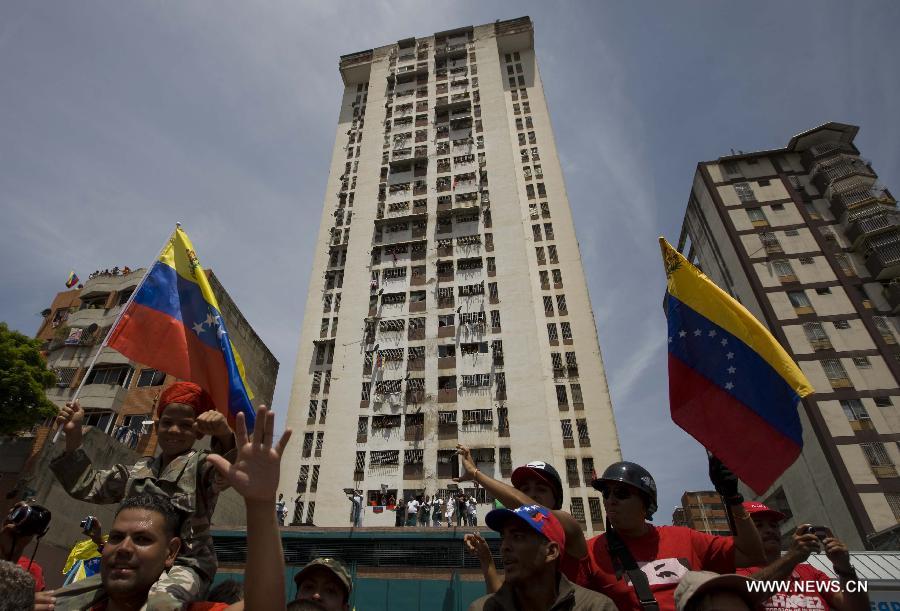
(23, 378)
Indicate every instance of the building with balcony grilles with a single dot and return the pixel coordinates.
(119, 396)
(807, 238)
(448, 302)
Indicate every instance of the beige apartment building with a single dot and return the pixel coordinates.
(807, 239)
(447, 251)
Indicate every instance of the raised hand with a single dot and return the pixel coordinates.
(255, 472)
(803, 543)
(468, 464)
(70, 418)
(212, 423)
(477, 546)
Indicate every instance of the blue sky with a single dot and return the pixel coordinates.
(118, 119)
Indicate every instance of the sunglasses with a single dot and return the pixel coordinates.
(620, 493)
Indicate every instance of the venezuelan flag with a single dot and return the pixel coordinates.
(72, 280)
(731, 385)
(174, 324)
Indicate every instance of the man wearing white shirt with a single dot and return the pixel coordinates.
(412, 509)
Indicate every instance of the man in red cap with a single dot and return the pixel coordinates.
(185, 414)
(533, 543)
(791, 567)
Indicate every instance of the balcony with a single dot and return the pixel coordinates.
(859, 196)
(862, 228)
(450, 51)
(883, 257)
(892, 295)
(407, 73)
(844, 167)
(452, 103)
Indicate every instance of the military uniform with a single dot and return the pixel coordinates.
(188, 481)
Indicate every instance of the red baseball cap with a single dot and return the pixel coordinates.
(757, 509)
(186, 393)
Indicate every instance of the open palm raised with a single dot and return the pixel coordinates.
(254, 474)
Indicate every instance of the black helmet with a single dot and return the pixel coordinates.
(634, 475)
(544, 471)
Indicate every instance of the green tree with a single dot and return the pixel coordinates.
(23, 378)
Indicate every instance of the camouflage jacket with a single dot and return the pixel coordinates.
(189, 481)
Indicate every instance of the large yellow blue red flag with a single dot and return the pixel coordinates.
(731, 385)
(174, 324)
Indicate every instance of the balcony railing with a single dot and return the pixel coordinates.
(883, 260)
(825, 175)
(859, 196)
(864, 227)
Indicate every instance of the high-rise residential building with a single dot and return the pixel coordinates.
(702, 510)
(807, 239)
(447, 251)
(119, 396)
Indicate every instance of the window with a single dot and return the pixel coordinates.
(548, 305)
(577, 506)
(566, 426)
(806, 260)
(557, 278)
(744, 192)
(834, 370)
(778, 207)
(876, 454)
(577, 399)
(883, 402)
(320, 440)
(362, 426)
(862, 362)
(360, 461)
(594, 507)
(799, 299)
(539, 251)
(572, 472)
(551, 332)
(854, 409)
(587, 469)
(566, 329)
(151, 377)
(548, 230)
(493, 292)
(756, 216)
(561, 397)
(313, 408)
(65, 375)
(842, 324)
(783, 268)
(583, 436)
(823, 290)
(893, 500)
(816, 335)
(731, 167)
(536, 230)
(561, 304)
(764, 182)
(551, 253)
(119, 376)
(495, 319)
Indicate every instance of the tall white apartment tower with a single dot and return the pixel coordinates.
(447, 252)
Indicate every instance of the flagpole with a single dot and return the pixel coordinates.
(115, 324)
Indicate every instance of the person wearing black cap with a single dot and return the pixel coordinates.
(21, 525)
(639, 565)
(534, 483)
(533, 542)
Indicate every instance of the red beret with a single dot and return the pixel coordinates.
(186, 393)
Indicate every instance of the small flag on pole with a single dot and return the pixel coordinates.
(174, 324)
(72, 280)
(731, 385)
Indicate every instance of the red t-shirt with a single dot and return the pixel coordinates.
(36, 571)
(794, 600)
(664, 554)
(191, 607)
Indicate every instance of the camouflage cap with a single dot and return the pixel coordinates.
(339, 570)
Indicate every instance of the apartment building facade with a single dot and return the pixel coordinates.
(119, 396)
(702, 510)
(807, 238)
(447, 251)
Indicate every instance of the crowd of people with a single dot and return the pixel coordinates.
(158, 552)
(116, 271)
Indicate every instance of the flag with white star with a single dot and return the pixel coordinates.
(731, 384)
(173, 323)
